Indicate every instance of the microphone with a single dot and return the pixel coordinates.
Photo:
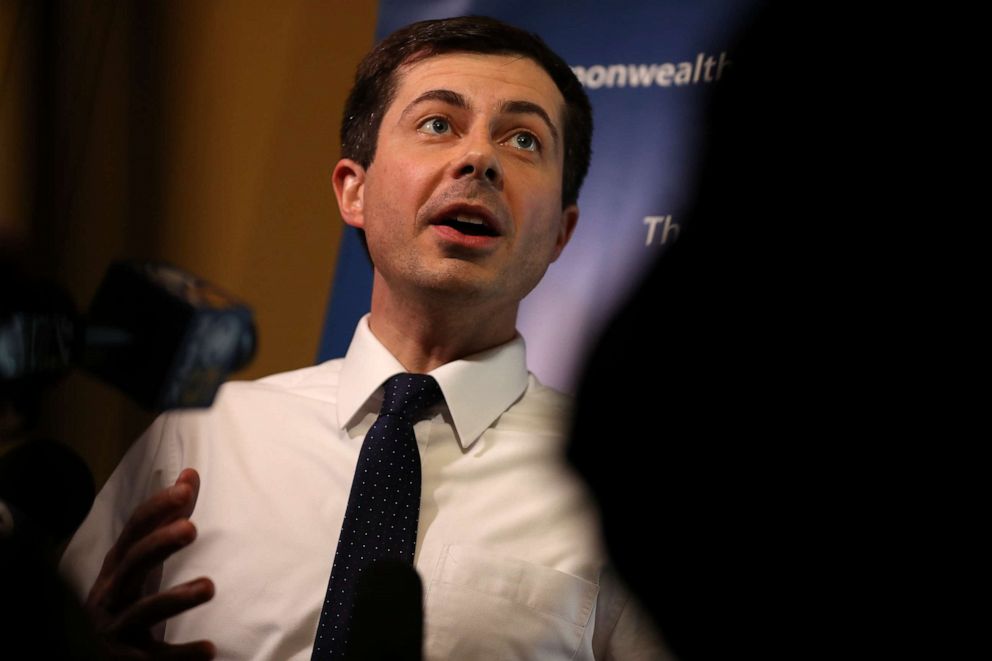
(46, 490)
(387, 623)
(167, 338)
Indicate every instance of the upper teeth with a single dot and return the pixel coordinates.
(469, 219)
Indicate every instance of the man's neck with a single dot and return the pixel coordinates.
(423, 336)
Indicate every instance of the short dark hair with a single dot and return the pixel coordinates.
(375, 85)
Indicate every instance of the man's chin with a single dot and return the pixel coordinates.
(457, 286)
(455, 280)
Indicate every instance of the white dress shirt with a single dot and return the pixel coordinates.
(508, 547)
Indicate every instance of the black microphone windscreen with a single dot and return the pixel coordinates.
(388, 618)
(49, 485)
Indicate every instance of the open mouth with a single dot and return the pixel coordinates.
(469, 225)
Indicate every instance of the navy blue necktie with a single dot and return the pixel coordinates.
(380, 522)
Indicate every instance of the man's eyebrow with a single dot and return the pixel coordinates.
(444, 96)
(526, 107)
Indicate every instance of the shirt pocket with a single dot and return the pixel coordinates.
(480, 605)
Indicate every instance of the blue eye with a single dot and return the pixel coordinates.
(436, 125)
(525, 141)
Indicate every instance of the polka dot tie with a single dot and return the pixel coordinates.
(380, 521)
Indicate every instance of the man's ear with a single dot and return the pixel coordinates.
(569, 219)
(349, 187)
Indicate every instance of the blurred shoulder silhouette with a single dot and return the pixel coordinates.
(738, 406)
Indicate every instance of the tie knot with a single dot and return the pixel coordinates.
(408, 395)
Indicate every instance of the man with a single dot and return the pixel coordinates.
(465, 142)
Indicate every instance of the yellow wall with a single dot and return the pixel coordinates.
(203, 133)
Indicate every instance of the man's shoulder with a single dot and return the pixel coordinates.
(541, 395)
(315, 382)
(539, 408)
(325, 373)
(259, 404)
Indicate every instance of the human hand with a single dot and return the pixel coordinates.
(122, 615)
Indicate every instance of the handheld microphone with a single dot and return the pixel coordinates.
(387, 623)
(46, 489)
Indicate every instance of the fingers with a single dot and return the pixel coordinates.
(191, 478)
(156, 530)
(128, 636)
(156, 608)
(164, 506)
(148, 553)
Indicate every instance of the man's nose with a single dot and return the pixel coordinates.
(480, 160)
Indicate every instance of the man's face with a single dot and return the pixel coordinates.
(463, 198)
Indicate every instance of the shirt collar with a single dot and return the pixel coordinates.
(477, 388)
